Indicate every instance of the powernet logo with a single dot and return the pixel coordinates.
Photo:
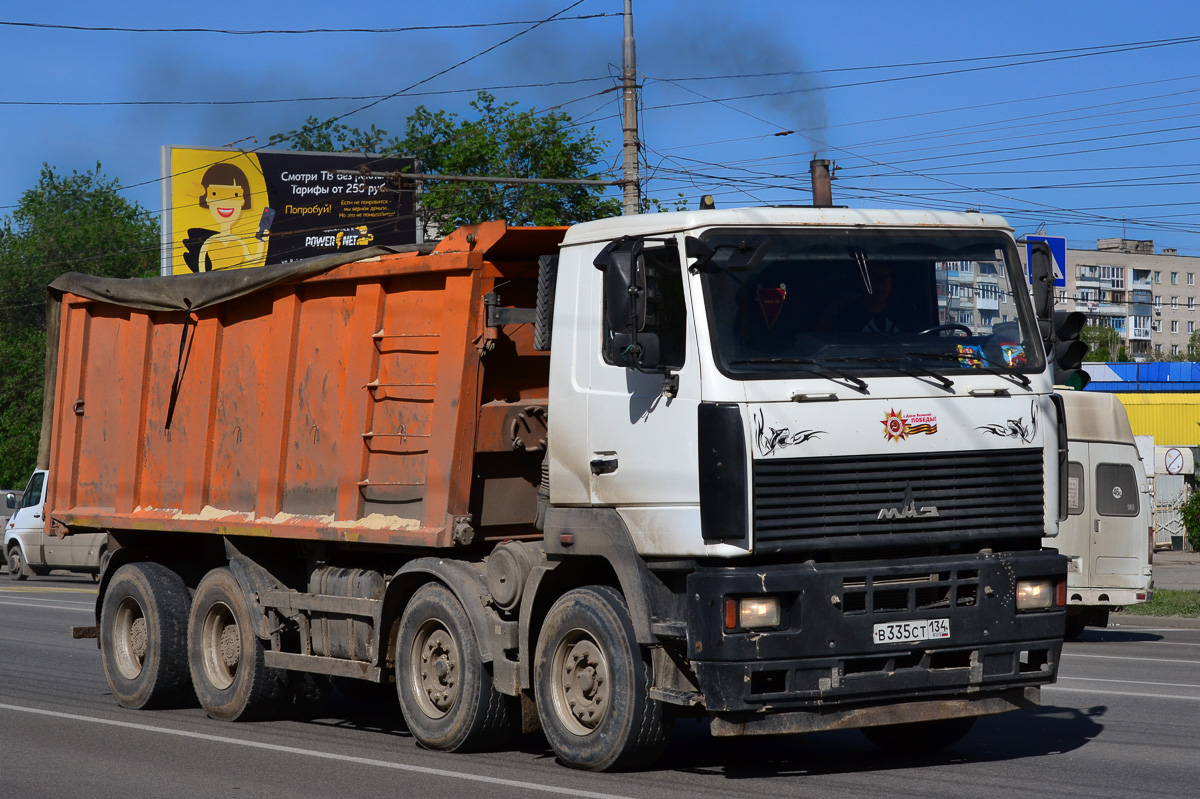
(350, 237)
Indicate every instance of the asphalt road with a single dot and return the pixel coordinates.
(1123, 721)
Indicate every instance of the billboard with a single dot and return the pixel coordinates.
(231, 209)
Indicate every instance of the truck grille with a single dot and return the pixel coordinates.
(863, 500)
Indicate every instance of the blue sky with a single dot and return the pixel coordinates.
(1081, 117)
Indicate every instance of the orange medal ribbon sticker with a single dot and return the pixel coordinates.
(771, 302)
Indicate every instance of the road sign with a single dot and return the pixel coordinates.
(1058, 250)
(1174, 461)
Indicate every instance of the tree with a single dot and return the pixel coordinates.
(77, 222)
(1193, 346)
(499, 140)
(1103, 342)
(331, 136)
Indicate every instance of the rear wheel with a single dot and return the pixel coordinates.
(226, 657)
(593, 685)
(143, 636)
(923, 736)
(16, 563)
(445, 692)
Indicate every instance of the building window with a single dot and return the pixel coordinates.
(1191, 278)
(1175, 303)
(1174, 349)
(1158, 277)
(1158, 302)
(1191, 303)
(1191, 327)
(1174, 278)
(1156, 326)
(1174, 326)
(1158, 349)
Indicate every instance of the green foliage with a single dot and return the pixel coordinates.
(505, 142)
(1190, 511)
(66, 223)
(1103, 343)
(1193, 347)
(22, 369)
(1167, 602)
(331, 136)
(499, 140)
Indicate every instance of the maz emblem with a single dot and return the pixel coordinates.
(908, 509)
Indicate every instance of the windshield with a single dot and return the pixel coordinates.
(859, 301)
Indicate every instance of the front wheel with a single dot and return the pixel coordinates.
(593, 684)
(922, 736)
(445, 692)
(226, 657)
(16, 563)
(143, 636)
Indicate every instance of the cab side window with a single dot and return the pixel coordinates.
(1116, 490)
(33, 494)
(666, 311)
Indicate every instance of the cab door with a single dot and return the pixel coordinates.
(642, 442)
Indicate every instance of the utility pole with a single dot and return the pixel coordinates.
(629, 125)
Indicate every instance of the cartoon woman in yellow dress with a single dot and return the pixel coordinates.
(226, 195)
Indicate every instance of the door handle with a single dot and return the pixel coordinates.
(604, 465)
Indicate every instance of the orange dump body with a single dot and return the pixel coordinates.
(370, 403)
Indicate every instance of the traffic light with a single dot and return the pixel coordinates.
(1069, 350)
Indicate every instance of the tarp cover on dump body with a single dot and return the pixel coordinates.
(193, 292)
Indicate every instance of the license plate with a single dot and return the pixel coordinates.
(903, 632)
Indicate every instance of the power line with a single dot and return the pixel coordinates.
(294, 31)
(270, 101)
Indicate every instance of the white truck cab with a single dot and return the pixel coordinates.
(1108, 534)
(28, 551)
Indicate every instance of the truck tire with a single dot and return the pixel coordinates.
(592, 681)
(922, 736)
(226, 657)
(446, 693)
(143, 637)
(16, 563)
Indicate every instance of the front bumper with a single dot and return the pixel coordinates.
(824, 654)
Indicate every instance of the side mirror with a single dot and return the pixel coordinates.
(10, 500)
(1041, 272)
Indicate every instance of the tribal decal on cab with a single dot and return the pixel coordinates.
(770, 439)
(898, 427)
(1016, 428)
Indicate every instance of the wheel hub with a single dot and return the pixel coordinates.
(231, 646)
(585, 683)
(439, 664)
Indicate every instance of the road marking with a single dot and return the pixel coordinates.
(1123, 657)
(1162, 684)
(32, 589)
(81, 608)
(292, 750)
(1119, 693)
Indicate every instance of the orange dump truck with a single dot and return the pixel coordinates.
(585, 479)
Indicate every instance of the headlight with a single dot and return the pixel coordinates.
(752, 613)
(1035, 594)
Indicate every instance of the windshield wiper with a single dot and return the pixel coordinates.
(822, 370)
(904, 366)
(950, 356)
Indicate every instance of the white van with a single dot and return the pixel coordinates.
(29, 551)
(1108, 534)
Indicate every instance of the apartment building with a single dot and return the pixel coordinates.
(1148, 298)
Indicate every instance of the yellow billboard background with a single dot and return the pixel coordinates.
(217, 200)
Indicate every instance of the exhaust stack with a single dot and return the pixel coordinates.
(822, 190)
